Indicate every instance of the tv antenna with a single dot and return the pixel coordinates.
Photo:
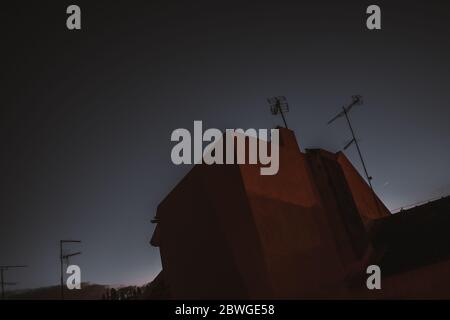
(65, 257)
(357, 100)
(279, 105)
(2, 277)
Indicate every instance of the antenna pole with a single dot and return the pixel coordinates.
(61, 261)
(357, 148)
(369, 178)
(357, 100)
(282, 114)
(2, 277)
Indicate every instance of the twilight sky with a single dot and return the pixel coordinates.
(87, 115)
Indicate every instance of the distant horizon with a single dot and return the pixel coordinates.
(115, 286)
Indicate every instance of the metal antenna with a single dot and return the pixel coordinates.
(65, 257)
(2, 277)
(356, 101)
(279, 105)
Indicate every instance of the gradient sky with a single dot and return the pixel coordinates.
(86, 116)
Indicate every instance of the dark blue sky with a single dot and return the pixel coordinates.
(86, 116)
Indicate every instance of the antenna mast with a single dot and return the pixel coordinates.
(66, 257)
(279, 105)
(356, 100)
(2, 277)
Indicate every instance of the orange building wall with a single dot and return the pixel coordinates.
(298, 241)
(369, 206)
(226, 231)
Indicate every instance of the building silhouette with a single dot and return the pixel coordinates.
(310, 231)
